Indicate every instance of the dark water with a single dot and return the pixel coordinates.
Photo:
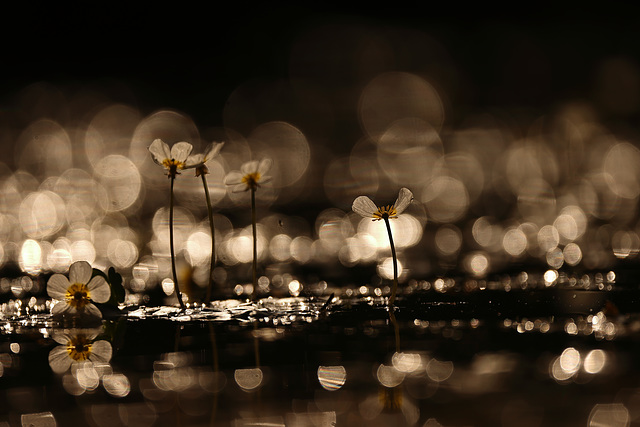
(453, 353)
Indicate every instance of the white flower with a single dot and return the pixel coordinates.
(172, 159)
(363, 206)
(77, 293)
(250, 177)
(199, 160)
(78, 346)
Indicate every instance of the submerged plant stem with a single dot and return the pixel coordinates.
(255, 242)
(213, 239)
(396, 328)
(173, 256)
(395, 262)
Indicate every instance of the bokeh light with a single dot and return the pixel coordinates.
(332, 377)
(516, 259)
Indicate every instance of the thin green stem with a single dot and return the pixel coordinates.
(173, 257)
(213, 238)
(395, 262)
(255, 242)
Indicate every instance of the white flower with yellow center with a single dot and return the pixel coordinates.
(199, 161)
(77, 294)
(251, 176)
(173, 159)
(365, 207)
(78, 346)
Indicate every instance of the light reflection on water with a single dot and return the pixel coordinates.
(555, 191)
(297, 358)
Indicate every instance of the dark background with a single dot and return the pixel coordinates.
(165, 52)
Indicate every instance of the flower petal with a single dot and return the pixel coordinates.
(57, 286)
(265, 179)
(265, 166)
(59, 359)
(194, 160)
(91, 310)
(99, 289)
(101, 351)
(405, 197)
(249, 167)
(364, 206)
(180, 151)
(61, 336)
(239, 188)
(59, 308)
(233, 178)
(159, 151)
(212, 150)
(88, 333)
(80, 272)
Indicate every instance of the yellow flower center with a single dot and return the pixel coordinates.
(251, 180)
(78, 296)
(79, 348)
(385, 212)
(172, 166)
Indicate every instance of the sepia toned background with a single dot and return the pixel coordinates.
(514, 126)
(516, 133)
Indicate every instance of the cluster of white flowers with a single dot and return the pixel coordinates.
(252, 174)
(75, 295)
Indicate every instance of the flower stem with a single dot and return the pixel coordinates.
(255, 242)
(396, 328)
(213, 239)
(173, 257)
(395, 263)
(216, 369)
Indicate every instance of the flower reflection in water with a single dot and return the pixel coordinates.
(77, 347)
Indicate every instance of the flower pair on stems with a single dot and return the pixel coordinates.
(250, 177)
(173, 160)
(365, 207)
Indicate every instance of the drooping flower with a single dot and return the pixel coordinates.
(77, 294)
(365, 207)
(173, 159)
(198, 161)
(78, 346)
(251, 176)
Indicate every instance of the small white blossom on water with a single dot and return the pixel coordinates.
(77, 294)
